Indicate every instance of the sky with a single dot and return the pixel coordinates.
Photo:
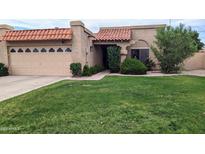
(94, 25)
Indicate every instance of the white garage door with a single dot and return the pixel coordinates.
(40, 61)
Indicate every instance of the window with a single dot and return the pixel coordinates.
(20, 50)
(43, 50)
(140, 54)
(27, 50)
(51, 50)
(67, 50)
(12, 50)
(60, 50)
(35, 50)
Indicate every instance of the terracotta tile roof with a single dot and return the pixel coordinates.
(114, 34)
(38, 34)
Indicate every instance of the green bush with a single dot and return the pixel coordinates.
(86, 71)
(93, 70)
(150, 64)
(113, 58)
(76, 69)
(97, 68)
(3, 70)
(133, 66)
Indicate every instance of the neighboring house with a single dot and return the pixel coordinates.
(51, 51)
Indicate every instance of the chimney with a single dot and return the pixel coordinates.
(4, 28)
(78, 40)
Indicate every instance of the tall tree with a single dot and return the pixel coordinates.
(173, 45)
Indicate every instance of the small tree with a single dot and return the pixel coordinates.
(114, 58)
(173, 46)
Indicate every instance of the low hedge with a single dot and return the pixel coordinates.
(88, 71)
(3, 70)
(133, 66)
(76, 69)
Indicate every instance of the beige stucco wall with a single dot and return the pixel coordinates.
(144, 38)
(197, 61)
(3, 53)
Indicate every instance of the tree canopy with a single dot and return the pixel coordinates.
(173, 45)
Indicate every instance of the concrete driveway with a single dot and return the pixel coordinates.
(11, 86)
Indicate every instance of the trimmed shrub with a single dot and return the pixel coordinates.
(96, 69)
(3, 70)
(150, 64)
(113, 58)
(133, 66)
(76, 69)
(86, 71)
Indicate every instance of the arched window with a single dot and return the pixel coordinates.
(60, 50)
(27, 50)
(20, 50)
(43, 50)
(51, 50)
(35, 50)
(67, 50)
(12, 50)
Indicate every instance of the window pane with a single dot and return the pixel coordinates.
(27, 50)
(60, 50)
(35, 50)
(51, 50)
(12, 50)
(43, 50)
(68, 50)
(20, 50)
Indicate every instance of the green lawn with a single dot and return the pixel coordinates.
(111, 105)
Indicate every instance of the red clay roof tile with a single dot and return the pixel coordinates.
(114, 34)
(38, 34)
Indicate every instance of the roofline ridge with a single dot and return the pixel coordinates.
(40, 29)
(134, 26)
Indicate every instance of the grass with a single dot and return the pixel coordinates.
(112, 105)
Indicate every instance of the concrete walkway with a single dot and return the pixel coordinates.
(11, 86)
(97, 76)
(155, 74)
(194, 73)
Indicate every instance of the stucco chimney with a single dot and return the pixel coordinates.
(78, 41)
(4, 28)
(3, 46)
(77, 23)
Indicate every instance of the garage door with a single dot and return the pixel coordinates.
(53, 61)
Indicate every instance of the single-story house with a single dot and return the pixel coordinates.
(51, 51)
